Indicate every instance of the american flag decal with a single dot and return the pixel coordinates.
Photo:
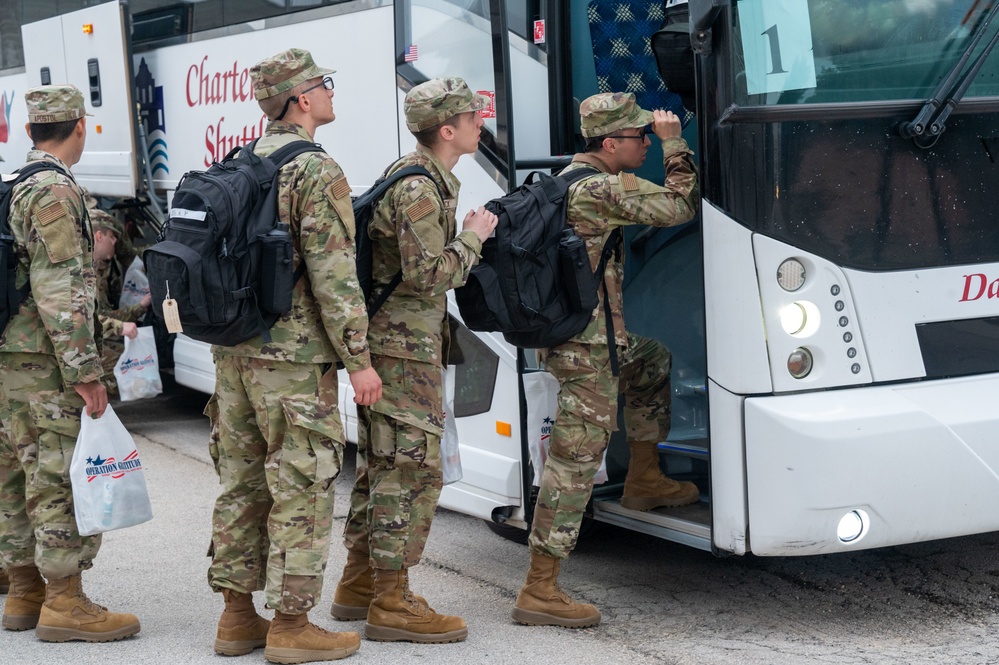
(411, 53)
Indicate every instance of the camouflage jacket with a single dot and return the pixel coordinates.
(414, 230)
(327, 318)
(600, 203)
(109, 284)
(54, 247)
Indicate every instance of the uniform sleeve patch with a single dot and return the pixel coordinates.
(420, 209)
(51, 213)
(340, 187)
(629, 182)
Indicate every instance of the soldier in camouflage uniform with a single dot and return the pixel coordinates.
(398, 479)
(117, 323)
(279, 441)
(614, 126)
(50, 369)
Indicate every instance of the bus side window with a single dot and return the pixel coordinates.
(475, 371)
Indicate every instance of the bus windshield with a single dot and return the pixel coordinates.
(827, 51)
(803, 103)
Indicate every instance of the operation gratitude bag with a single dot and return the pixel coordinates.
(11, 297)
(534, 282)
(223, 257)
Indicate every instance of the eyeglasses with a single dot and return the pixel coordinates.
(327, 83)
(645, 132)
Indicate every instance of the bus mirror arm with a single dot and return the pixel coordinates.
(703, 14)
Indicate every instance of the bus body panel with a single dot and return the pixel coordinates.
(208, 106)
(737, 359)
(892, 304)
(729, 518)
(917, 461)
(108, 166)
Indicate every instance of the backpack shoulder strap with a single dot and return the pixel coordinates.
(377, 192)
(290, 151)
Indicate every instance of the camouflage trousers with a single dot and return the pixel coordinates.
(277, 442)
(399, 476)
(40, 422)
(111, 350)
(587, 414)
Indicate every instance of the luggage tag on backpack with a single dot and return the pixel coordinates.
(171, 315)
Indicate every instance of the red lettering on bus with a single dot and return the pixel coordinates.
(980, 285)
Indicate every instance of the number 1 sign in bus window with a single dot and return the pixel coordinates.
(777, 45)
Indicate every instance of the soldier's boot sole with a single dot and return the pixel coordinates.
(20, 621)
(529, 618)
(286, 655)
(55, 634)
(238, 647)
(385, 634)
(348, 612)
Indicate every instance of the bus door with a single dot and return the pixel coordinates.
(89, 48)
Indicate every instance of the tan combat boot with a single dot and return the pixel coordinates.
(241, 629)
(24, 599)
(542, 603)
(356, 590)
(396, 615)
(68, 614)
(645, 486)
(4, 581)
(292, 639)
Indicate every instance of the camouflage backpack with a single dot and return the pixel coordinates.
(11, 297)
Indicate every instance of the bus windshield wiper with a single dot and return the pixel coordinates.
(931, 120)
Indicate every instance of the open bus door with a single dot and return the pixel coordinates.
(90, 49)
(544, 62)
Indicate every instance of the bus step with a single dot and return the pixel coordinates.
(690, 525)
(694, 448)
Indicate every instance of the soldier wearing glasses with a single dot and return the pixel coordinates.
(615, 129)
(278, 439)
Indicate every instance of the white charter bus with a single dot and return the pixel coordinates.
(833, 313)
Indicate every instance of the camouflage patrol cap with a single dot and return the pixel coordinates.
(284, 71)
(608, 112)
(103, 221)
(433, 102)
(54, 103)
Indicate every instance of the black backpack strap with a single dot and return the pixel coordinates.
(290, 151)
(609, 248)
(17, 295)
(380, 187)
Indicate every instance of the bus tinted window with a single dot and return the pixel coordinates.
(854, 50)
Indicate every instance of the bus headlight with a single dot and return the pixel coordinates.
(799, 363)
(791, 275)
(801, 318)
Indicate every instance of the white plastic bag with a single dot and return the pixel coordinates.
(138, 370)
(135, 284)
(450, 457)
(109, 489)
(541, 390)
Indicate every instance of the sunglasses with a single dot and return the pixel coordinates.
(645, 132)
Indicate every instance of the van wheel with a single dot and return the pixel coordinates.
(511, 533)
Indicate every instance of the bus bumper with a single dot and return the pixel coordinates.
(869, 467)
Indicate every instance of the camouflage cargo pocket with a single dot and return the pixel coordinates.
(311, 456)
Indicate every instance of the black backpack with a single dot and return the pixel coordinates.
(534, 282)
(11, 297)
(223, 256)
(364, 210)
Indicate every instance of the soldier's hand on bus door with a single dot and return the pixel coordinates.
(95, 396)
(666, 124)
(367, 386)
(481, 222)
